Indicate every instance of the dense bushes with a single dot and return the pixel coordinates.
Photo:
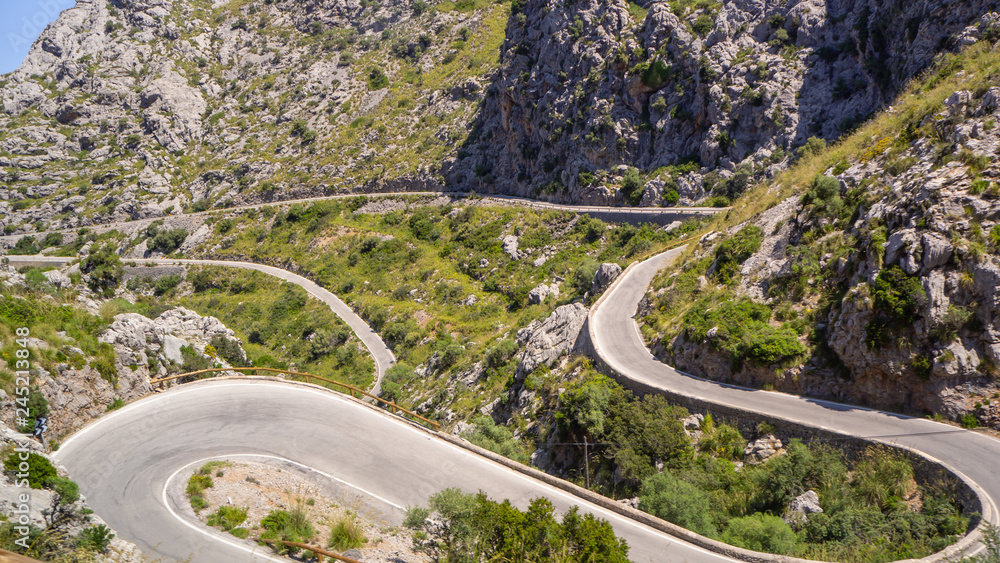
(639, 433)
(735, 250)
(104, 268)
(498, 439)
(824, 196)
(475, 528)
(868, 501)
(287, 525)
(632, 186)
(40, 470)
(742, 330)
(677, 501)
(760, 532)
(167, 241)
(897, 299)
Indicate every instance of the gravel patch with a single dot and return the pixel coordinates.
(265, 486)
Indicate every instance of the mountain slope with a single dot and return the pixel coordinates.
(130, 109)
(871, 275)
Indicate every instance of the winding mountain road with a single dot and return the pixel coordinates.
(620, 345)
(127, 463)
(381, 353)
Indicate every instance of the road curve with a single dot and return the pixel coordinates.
(618, 342)
(522, 201)
(124, 460)
(381, 353)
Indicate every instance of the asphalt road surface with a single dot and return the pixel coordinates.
(619, 343)
(383, 357)
(123, 463)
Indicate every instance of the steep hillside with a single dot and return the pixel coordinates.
(735, 87)
(875, 282)
(139, 109)
(128, 109)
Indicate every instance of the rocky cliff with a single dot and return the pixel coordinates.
(735, 87)
(885, 271)
(130, 109)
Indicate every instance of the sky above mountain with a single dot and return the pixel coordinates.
(22, 22)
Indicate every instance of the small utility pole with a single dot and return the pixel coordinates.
(586, 462)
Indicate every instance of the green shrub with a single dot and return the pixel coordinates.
(168, 241)
(229, 350)
(760, 532)
(632, 186)
(293, 526)
(25, 246)
(198, 483)
(501, 353)
(583, 275)
(898, 296)
(882, 476)
(813, 146)
(824, 196)
(970, 421)
(922, 367)
(40, 469)
(703, 24)
(377, 79)
(96, 538)
(732, 252)
(743, 331)
(166, 284)
(346, 533)
(416, 516)
(68, 491)
(228, 517)
(667, 497)
(104, 268)
(498, 439)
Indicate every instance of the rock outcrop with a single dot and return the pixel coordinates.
(802, 507)
(588, 89)
(142, 341)
(606, 273)
(546, 341)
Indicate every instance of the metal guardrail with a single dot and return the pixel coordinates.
(315, 550)
(11, 557)
(350, 389)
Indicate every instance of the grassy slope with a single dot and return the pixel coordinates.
(410, 274)
(884, 137)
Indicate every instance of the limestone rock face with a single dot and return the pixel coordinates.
(762, 449)
(510, 247)
(913, 279)
(802, 507)
(135, 336)
(605, 274)
(725, 96)
(547, 340)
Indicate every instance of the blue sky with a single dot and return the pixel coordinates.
(20, 24)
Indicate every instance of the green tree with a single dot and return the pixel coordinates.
(735, 250)
(632, 186)
(104, 268)
(760, 532)
(682, 503)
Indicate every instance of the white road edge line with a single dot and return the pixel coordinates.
(204, 532)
